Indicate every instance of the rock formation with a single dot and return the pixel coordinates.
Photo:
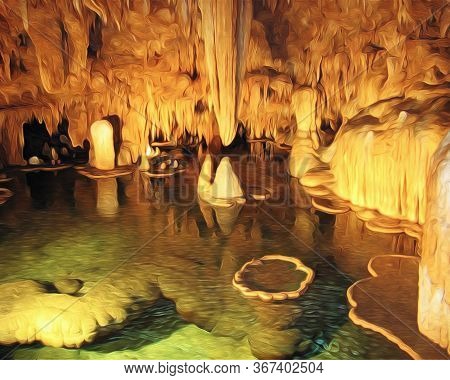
(434, 269)
(226, 185)
(357, 89)
(102, 155)
(174, 69)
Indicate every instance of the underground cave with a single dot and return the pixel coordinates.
(224, 179)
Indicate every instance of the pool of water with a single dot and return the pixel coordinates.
(128, 235)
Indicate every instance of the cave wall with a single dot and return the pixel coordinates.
(434, 270)
(172, 69)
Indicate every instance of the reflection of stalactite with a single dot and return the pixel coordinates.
(107, 203)
(355, 244)
(305, 228)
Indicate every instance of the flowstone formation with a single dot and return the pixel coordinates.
(30, 312)
(434, 269)
(397, 168)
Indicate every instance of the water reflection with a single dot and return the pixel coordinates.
(107, 203)
(189, 253)
(225, 215)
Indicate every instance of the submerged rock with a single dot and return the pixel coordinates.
(34, 161)
(29, 312)
(68, 285)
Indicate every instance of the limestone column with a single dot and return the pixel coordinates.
(434, 270)
(102, 155)
(303, 156)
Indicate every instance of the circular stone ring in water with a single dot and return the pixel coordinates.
(244, 283)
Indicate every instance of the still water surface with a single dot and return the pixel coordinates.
(63, 225)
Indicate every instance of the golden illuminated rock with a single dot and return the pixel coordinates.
(29, 313)
(102, 155)
(226, 184)
(434, 269)
(183, 69)
(68, 285)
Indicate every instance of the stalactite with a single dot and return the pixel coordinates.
(226, 31)
(172, 55)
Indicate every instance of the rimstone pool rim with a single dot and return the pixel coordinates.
(239, 283)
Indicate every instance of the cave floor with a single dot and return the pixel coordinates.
(64, 225)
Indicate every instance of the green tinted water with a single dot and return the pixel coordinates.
(66, 226)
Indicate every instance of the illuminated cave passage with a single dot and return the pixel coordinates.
(150, 149)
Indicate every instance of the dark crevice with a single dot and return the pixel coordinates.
(64, 48)
(95, 38)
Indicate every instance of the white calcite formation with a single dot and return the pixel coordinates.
(204, 184)
(102, 155)
(226, 185)
(434, 269)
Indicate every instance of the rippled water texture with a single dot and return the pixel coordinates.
(63, 225)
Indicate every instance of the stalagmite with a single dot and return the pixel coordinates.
(303, 156)
(204, 185)
(102, 155)
(226, 183)
(434, 269)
